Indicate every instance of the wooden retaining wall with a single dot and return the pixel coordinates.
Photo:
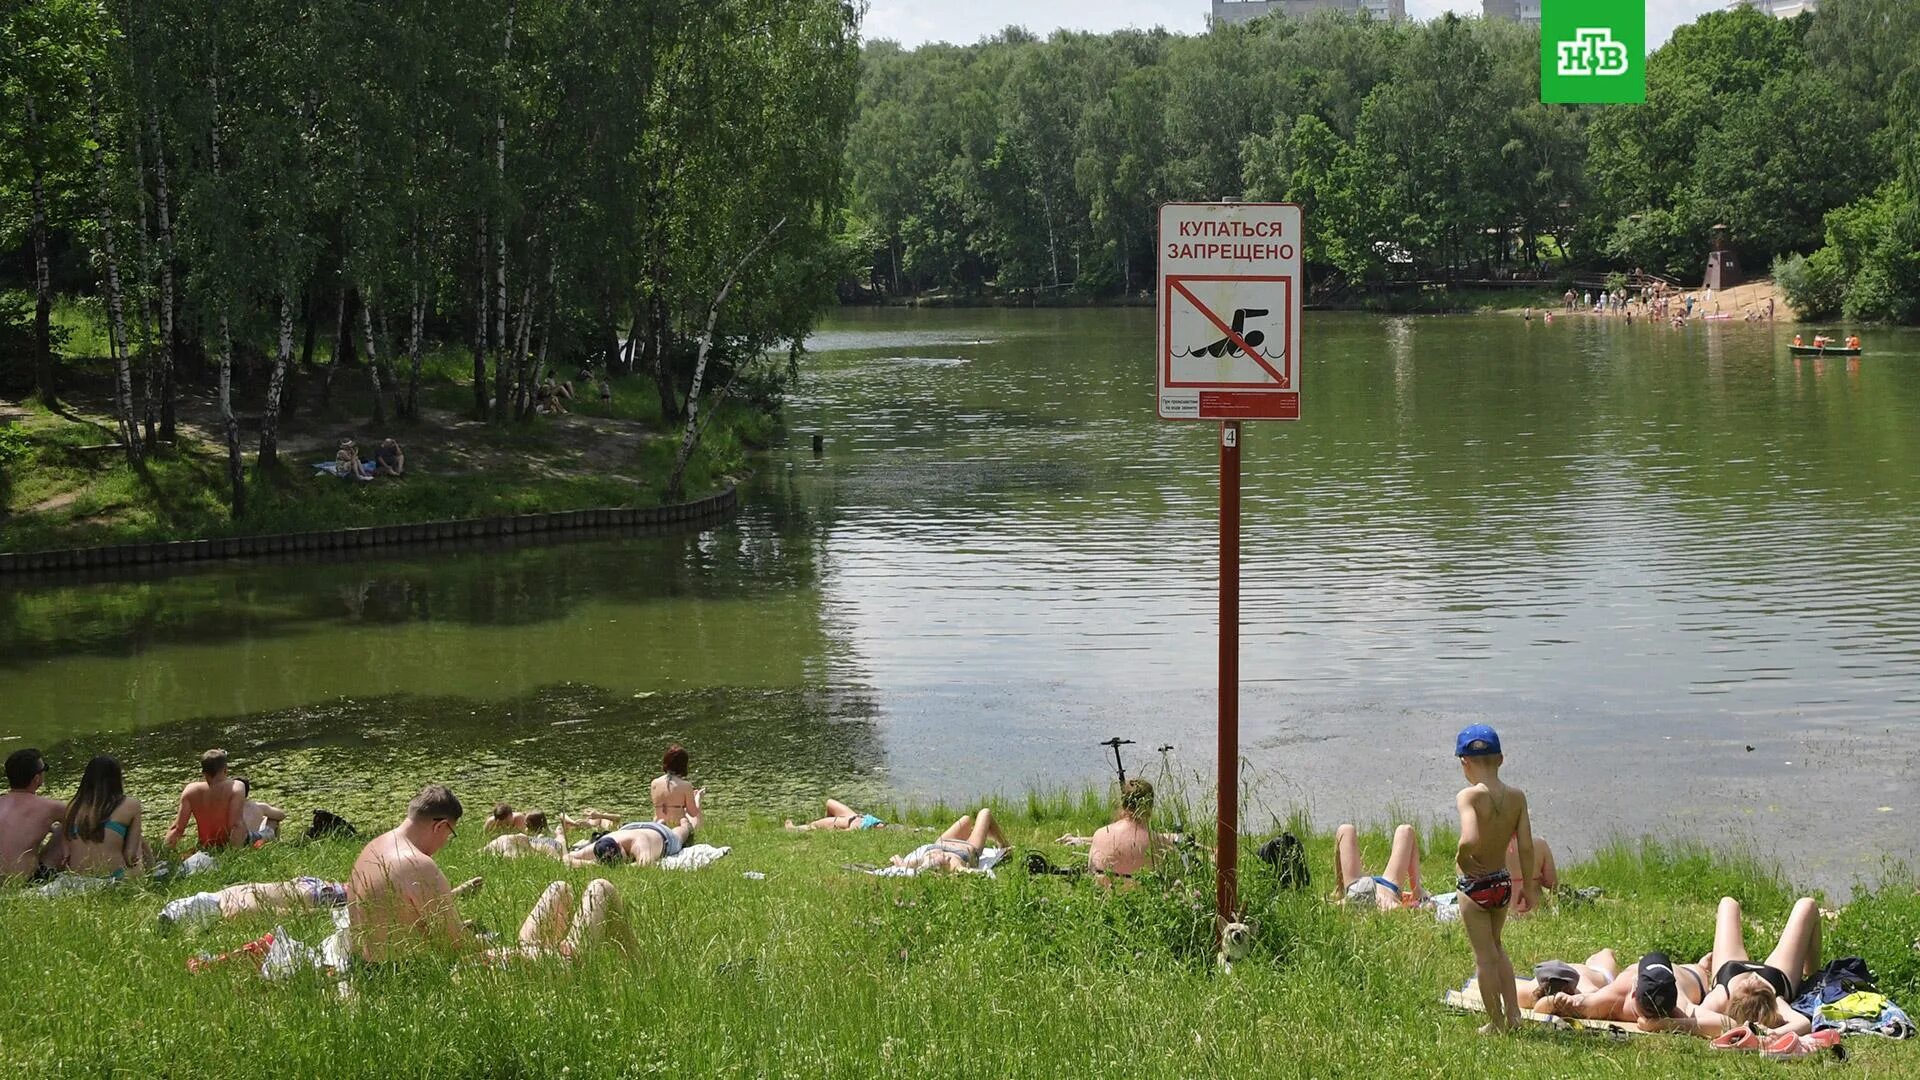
(710, 510)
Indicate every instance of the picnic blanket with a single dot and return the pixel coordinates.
(1468, 999)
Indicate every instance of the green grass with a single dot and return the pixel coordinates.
(818, 971)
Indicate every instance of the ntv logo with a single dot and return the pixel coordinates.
(1592, 52)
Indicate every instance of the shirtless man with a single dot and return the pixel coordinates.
(27, 818)
(215, 802)
(260, 819)
(1124, 847)
(397, 898)
(646, 843)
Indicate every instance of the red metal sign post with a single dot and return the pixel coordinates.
(1227, 860)
(1229, 329)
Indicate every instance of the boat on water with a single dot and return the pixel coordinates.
(1823, 350)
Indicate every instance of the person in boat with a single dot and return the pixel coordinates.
(1796, 341)
(1853, 341)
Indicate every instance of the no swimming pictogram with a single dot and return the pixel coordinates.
(1229, 312)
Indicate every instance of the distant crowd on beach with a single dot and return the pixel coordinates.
(398, 902)
(1656, 300)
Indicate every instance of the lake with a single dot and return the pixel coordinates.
(1675, 569)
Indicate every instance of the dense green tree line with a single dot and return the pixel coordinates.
(1416, 148)
(535, 179)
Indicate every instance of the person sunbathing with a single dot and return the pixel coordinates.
(1398, 883)
(1544, 872)
(505, 819)
(959, 847)
(839, 816)
(261, 819)
(646, 843)
(670, 790)
(103, 824)
(1759, 995)
(303, 893)
(398, 899)
(1123, 848)
(389, 459)
(532, 842)
(32, 843)
(1653, 987)
(1553, 977)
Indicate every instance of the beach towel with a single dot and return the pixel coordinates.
(694, 857)
(989, 858)
(1467, 999)
(71, 885)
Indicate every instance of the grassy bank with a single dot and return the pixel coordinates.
(819, 971)
(63, 482)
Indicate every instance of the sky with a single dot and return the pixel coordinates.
(915, 22)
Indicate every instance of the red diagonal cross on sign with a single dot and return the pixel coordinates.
(1251, 352)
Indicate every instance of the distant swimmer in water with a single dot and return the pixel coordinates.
(839, 816)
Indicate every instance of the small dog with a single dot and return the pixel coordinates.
(1236, 943)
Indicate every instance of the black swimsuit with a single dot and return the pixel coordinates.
(1724, 976)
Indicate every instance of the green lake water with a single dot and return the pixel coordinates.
(1675, 568)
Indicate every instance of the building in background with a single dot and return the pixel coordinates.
(1526, 11)
(1239, 11)
(1779, 9)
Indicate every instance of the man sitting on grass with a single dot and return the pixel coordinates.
(397, 898)
(215, 802)
(28, 818)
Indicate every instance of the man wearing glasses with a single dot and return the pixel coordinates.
(27, 818)
(399, 901)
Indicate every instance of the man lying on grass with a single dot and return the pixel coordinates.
(397, 897)
(646, 843)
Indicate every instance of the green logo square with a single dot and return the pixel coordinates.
(1593, 51)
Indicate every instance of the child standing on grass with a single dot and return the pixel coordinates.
(1492, 814)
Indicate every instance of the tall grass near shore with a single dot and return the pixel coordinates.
(818, 970)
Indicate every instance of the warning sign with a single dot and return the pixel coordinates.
(1229, 311)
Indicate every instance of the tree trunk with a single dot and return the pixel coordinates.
(691, 434)
(373, 357)
(150, 390)
(413, 350)
(480, 319)
(116, 315)
(236, 472)
(500, 239)
(44, 383)
(309, 327)
(163, 206)
(270, 419)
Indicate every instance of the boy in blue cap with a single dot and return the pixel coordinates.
(1492, 815)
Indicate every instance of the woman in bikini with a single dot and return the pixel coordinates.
(103, 824)
(1124, 848)
(959, 847)
(1756, 995)
(1397, 885)
(671, 792)
(839, 816)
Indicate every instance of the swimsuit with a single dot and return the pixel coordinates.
(866, 821)
(959, 849)
(1366, 890)
(1490, 892)
(321, 893)
(1774, 977)
(670, 843)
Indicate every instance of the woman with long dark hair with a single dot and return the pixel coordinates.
(103, 823)
(672, 794)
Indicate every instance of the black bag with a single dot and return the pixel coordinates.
(1288, 857)
(328, 823)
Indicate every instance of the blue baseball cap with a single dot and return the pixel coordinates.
(1476, 740)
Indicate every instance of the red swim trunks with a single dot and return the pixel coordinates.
(1490, 892)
